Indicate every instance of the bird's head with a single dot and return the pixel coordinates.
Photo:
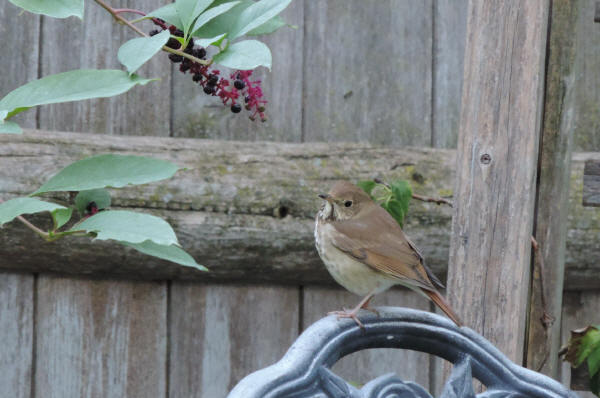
(344, 202)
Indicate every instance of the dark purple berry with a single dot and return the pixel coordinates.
(178, 33)
(175, 57)
(184, 67)
(239, 84)
(197, 77)
(199, 52)
(173, 43)
(247, 99)
(236, 108)
(213, 79)
(209, 89)
(154, 32)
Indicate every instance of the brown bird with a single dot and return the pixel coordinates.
(366, 251)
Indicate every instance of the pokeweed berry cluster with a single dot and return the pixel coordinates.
(230, 90)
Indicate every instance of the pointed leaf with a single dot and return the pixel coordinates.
(136, 52)
(61, 216)
(366, 185)
(8, 127)
(245, 55)
(171, 253)
(268, 27)
(188, 11)
(56, 8)
(213, 41)
(212, 13)
(168, 14)
(589, 342)
(18, 206)
(100, 197)
(223, 23)
(109, 170)
(75, 85)
(128, 226)
(256, 15)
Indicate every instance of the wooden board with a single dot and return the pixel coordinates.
(449, 33)
(367, 71)
(585, 105)
(93, 44)
(497, 163)
(20, 32)
(591, 183)
(366, 365)
(100, 338)
(197, 115)
(580, 309)
(16, 334)
(553, 193)
(219, 334)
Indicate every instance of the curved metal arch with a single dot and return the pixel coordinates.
(304, 370)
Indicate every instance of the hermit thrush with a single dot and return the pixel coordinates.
(366, 251)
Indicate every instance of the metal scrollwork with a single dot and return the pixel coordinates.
(304, 371)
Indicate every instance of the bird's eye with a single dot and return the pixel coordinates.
(348, 203)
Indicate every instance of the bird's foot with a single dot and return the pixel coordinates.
(373, 310)
(348, 314)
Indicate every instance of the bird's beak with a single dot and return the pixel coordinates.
(325, 197)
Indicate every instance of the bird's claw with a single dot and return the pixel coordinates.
(348, 314)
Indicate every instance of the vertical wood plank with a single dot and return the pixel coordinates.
(580, 309)
(20, 32)
(489, 267)
(366, 365)
(449, 33)
(100, 338)
(220, 333)
(586, 101)
(367, 71)
(553, 192)
(16, 334)
(197, 115)
(93, 44)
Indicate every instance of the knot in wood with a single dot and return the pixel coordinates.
(485, 158)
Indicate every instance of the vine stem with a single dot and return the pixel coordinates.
(32, 227)
(115, 13)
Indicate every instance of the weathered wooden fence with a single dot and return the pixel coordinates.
(387, 73)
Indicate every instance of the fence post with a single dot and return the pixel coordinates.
(502, 101)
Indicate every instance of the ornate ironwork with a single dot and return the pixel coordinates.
(304, 371)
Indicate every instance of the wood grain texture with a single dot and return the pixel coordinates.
(362, 84)
(553, 191)
(580, 309)
(100, 338)
(497, 164)
(16, 334)
(449, 33)
(363, 366)
(197, 115)
(20, 32)
(226, 208)
(219, 334)
(591, 183)
(93, 44)
(586, 102)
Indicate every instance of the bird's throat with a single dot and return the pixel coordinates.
(327, 213)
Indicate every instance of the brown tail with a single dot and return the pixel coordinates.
(441, 302)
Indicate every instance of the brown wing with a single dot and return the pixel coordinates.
(376, 240)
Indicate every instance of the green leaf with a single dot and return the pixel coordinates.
(101, 197)
(75, 85)
(109, 170)
(61, 216)
(395, 208)
(171, 253)
(256, 15)
(54, 8)
(245, 55)
(268, 27)
(223, 23)
(589, 342)
(366, 185)
(188, 11)
(8, 127)
(168, 14)
(213, 41)
(18, 206)
(593, 361)
(212, 13)
(128, 226)
(136, 52)
(595, 384)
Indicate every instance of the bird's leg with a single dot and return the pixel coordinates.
(354, 312)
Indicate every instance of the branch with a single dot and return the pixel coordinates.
(32, 227)
(439, 201)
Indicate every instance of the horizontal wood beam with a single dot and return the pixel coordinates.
(245, 209)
